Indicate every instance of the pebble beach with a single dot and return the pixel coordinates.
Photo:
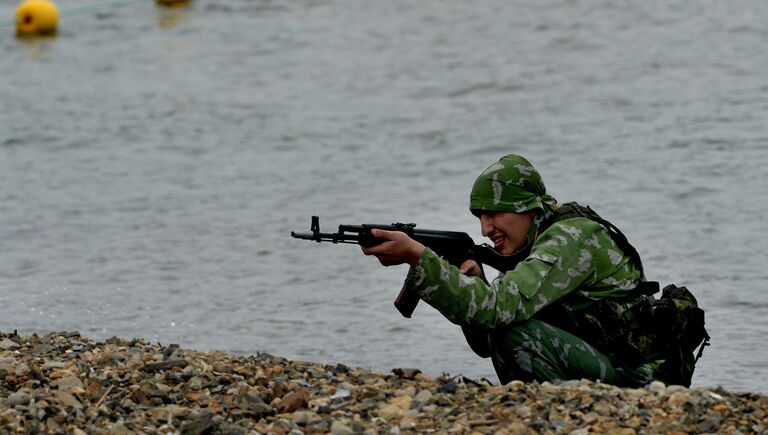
(69, 384)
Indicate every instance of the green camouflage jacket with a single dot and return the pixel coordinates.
(575, 257)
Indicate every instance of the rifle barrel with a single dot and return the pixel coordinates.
(327, 237)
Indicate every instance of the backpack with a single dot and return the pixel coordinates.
(675, 329)
(640, 329)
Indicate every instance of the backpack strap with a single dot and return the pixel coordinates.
(572, 210)
(701, 348)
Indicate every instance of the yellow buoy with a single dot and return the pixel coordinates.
(173, 3)
(37, 17)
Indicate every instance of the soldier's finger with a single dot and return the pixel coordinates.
(377, 250)
(471, 268)
(386, 260)
(384, 234)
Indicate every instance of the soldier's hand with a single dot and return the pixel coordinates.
(472, 268)
(395, 248)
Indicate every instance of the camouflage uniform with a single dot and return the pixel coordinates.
(575, 257)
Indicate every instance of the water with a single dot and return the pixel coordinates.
(154, 162)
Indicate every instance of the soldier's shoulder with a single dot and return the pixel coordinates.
(568, 234)
(574, 226)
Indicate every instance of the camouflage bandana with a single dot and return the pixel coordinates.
(512, 185)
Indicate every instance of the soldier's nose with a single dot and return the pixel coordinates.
(485, 226)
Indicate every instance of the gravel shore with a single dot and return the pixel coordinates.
(65, 383)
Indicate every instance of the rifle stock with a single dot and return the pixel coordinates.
(453, 246)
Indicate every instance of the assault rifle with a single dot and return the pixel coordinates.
(453, 246)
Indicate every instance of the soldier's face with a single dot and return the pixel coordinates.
(507, 230)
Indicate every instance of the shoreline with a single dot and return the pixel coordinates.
(65, 383)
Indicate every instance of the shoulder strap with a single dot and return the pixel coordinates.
(572, 210)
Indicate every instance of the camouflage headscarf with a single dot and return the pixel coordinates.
(512, 185)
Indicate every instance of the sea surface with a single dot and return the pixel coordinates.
(153, 162)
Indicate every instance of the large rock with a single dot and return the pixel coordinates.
(293, 401)
(18, 398)
(68, 383)
(6, 344)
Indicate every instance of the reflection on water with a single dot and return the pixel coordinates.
(171, 14)
(37, 46)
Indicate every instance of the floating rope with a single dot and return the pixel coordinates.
(74, 10)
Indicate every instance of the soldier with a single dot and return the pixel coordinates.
(551, 316)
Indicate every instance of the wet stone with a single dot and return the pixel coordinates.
(339, 428)
(6, 344)
(40, 349)
(293, 401)
(67, 400)
(166, 413)
(49, 365)
(368, 379)
(69, 383)
(22, 370)
(253, 404)
(301, 418)
(657, 387)
(423, 396)
(197, 427)
(448, 387)
(18, 398)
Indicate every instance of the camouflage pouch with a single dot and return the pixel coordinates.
(642, 330)
(668, 330)
(678, 324)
